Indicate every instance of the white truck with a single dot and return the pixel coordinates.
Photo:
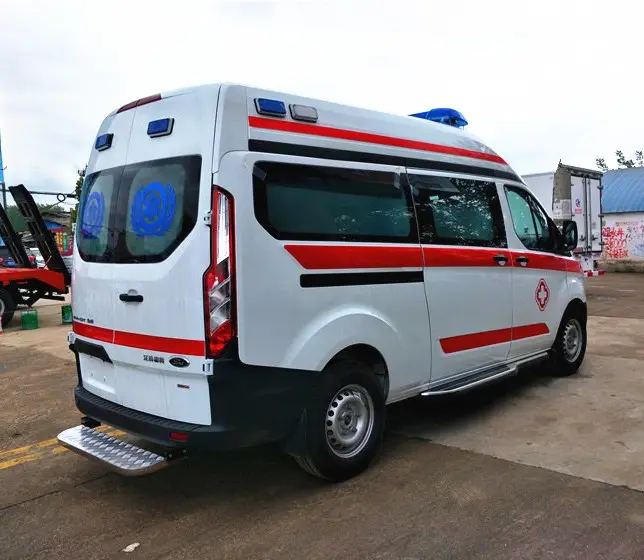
(574, 193)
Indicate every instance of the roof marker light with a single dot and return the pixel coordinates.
(103, 142)
(270, 107)
(161, 127)
(304, 113)
(450, 117)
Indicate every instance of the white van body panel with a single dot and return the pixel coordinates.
(279, 322)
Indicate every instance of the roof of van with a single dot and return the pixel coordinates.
(346, 123)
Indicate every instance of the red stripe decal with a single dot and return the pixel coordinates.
(356, 136)
(542, 261)
(142, 341)
(488, 338)
(338, 257)
(528, 331)
(95, 333)
(327, 257)
(574, 267)
(462, 256)
(548, 262)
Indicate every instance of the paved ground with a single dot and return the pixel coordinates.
(531, 468)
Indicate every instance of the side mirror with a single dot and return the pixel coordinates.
(570, 235)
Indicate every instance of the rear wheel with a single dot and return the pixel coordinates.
(344, 423)
(7, 307)
(569, 348)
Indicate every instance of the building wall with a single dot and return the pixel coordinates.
(624, 236)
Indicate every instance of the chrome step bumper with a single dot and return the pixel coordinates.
(116, 454)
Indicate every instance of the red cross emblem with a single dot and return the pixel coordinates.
(542, 294)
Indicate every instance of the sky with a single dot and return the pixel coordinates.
(538, 82)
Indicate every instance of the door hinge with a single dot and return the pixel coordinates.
(207, 219)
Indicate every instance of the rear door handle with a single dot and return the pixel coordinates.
(501, 259)
(522, 260)
(131, 298)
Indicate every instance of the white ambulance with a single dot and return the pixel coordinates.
(253, 266)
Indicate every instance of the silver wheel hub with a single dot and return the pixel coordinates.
(572, 340)
(1, 309)
(349, 421)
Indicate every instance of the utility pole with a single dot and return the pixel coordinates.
(3, 187)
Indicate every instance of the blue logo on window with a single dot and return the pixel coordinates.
(153, 210)
(93, 214)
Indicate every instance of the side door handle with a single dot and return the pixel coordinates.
(501, 259)
(522, 260)
(131, 298)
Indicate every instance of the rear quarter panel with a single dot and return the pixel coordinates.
(282, 324)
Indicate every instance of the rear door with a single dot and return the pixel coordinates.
(594, 196)
(581, 206)
(151, 260)
(92, 274)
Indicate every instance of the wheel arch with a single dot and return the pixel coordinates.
(369, 356)
(576, 305)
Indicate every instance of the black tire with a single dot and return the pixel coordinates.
(7, 308)
(353, 383)
(564, 360)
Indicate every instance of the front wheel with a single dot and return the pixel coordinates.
(344, 423)
(569, 348)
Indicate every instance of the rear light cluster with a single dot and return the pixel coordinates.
(219, 284)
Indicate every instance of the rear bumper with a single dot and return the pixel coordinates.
(250, 406)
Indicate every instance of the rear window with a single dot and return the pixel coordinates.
(303, 202)
(138, 213)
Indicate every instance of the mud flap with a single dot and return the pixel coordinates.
(295, 444)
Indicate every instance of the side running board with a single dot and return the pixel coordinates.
(483, 377)
(116, 454)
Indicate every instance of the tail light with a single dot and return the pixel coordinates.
(219, 285)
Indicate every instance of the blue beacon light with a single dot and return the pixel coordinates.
(443, 115)
(103, 142)
(270, 107)
(161, 127)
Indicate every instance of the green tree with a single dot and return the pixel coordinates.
(622, 162)
(18, 222)
(77, 191)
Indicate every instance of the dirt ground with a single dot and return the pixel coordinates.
(533, 467)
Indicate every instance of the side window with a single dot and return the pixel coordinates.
(530, 222)
(303, 202)
(453, 211)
